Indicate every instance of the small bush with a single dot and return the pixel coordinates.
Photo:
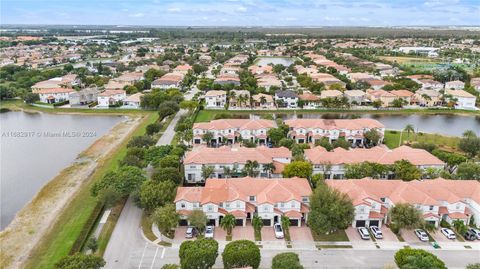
(445, 224)
(241, 253)
(287, 260)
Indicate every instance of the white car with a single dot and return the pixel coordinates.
(448, 233)
(363, 233)
(476, 232)
(277, 228)
(209, 232)
(376, 232)
(422, 235)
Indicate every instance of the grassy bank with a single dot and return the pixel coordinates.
(208, 115)
(59, 240)
(394, 139)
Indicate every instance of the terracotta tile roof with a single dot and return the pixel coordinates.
(319, 155)
(430, 215)
(349, 124)
(402, 93)
(238, 214)
(240, 124)
(214, 93)
(266, 190)
(231, 155)
(458, 215)
(375, 215)
(55, 90)
(107, 93)
(293, 214)
(308, 96)
(460, 93)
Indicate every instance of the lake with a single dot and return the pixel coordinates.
(285, 61)
(451, 125)
(35, 147)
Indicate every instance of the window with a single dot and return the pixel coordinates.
(431, 207)
(361, 209)
(265, 208)
(282, 204)
(238, 205)
(210, 208)
(382, 199)
(227, 205)
(182, 205)
(305, 199)
(193, 166)
(251, 198)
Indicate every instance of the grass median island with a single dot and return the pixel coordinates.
(59, 239)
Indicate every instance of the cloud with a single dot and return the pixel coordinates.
(174, 9)
(242, 9)
(137, 15)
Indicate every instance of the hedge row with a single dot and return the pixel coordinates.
(87, 228)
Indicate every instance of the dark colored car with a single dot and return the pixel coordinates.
(470, 236)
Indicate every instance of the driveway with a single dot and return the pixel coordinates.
(357, 241)
(269, 235)
(301, 234)
(180, 232)
(412, 239)
(219, 234)
(240, 232)
(440, 238)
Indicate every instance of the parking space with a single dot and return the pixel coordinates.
(301, 234)
(269, 235)
(439, 237)
(240, 232)
(388, 235)
(180, 232)
(356, 240)
(412, 239)
(219, 234)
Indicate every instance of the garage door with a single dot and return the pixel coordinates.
(183, 222)
(239, 222)
(374, 223)
(266, 222)
(294, 222)
(211, 222)
(360, 223)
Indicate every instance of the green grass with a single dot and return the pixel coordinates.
(58, 241)
(319, 247)
(448, 143)
(146, 224)
(339, 235)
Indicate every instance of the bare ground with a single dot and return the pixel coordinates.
(34, 220)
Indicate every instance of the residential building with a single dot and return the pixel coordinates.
(215, 99)
(427, 97)
(356, 97)
(130, 77)
(309, 100)
(386, 98)
(331, 94)
(227, 78)
(67, 81)
(233, 130)
(332, 163)
(133, 101)
(54, 95)
(464, 100)
(270, 199)
(239, 99)
(405, 95)
(257, 70)
(167, 81)
(311, 130)
(182, 69)
(229, 162)
(286, 99)
(430, 84)
(475, 83)
(110, 97)
(437, 199)
(263, 101)
(268, 81)
(84, 96)
(455, 85)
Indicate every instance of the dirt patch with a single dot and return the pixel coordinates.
(33, 221)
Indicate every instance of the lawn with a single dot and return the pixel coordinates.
(448, 143)
(339, 235)
(404, 60)
(59, 240)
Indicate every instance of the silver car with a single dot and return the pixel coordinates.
(448, 233)
(363, 233)
(377, 233)
(277, 228)
(422, 235)
(209, 232)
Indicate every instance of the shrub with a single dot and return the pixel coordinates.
(170, 266)
(287, 260)
(417, 258)
(200, 253)
(241, 253)
(167, 173)
(445, 224)
(153, 128)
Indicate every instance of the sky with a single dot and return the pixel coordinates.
(242, 12)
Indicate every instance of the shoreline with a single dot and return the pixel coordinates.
(43, 211)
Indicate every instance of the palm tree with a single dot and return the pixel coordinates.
(227, 223)
(409, 128)
(208, 136)
(227, 172)
(207, 171)
(269, 168)
(251, 168)
(257, 224)
(469, 134)
(263, 100)
(285, 221)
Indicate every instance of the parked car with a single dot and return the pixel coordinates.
(209, 232)
(475, 231)
(422, 235)
(376, 232)
(448, 233)
(191, 232)
(363, 233)
(277, 228)
(470, 235)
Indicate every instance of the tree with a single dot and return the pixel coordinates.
(468, 171)
(167, 173)
(286, 260)
(208, 137)
(198, 254)
(460, 226)
(227, 223)
(373, 137)
(169, 161)
(124, 181)
(324, 142)
(377, 104)
(257, 223)
(341, 143)
(406, 171)
(301, 169)
(251, 168)
(155, 194)
(409, 128)
(473, 266)
(166, 218)
(317, 179)
(31, 98)
(329, 210)
(207, 171)
(143, 141)
(92, 244)
(153, 128)
(167, 108)
(241, 253)
(275, 135)
(198, 219)
(406, 216)
(269, 168)
(80, 260)
(470, 144)
(285, 221)
(407, 258)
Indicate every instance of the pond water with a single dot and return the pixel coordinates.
(35, 147)
(451, 125)
(285, 61)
